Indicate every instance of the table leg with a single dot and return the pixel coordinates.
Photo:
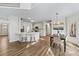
(64, 45)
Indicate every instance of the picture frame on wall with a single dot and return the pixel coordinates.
(73, 30)
(59, 26)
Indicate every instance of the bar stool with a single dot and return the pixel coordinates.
(24, 37)
(33, 37)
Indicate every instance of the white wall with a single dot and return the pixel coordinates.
(73, 19)
(3, 20)
(44, 29)
(13, 28)
(27, 26)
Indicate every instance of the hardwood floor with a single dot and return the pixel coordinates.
(40, 48)
(72, 50)
(23, 49)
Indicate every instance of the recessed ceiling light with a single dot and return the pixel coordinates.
(32, 20)
(29, 18)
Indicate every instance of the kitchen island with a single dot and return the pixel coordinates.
(28, 37)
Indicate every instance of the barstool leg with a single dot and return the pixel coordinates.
(34, 39)
(30, 39)
(25, 39)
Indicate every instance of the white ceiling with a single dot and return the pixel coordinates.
(42, 11)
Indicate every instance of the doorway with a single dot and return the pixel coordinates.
(48, 31)
(3, 35)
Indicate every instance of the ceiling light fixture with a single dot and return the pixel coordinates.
(29, 18)
(32, 20)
